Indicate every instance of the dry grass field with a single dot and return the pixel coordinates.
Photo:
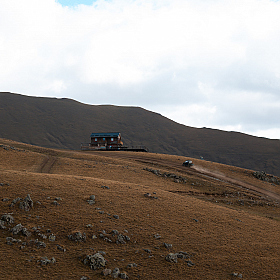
(223, 220)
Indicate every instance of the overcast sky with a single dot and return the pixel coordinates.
(202, 63)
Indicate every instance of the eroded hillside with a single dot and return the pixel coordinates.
(142, 213)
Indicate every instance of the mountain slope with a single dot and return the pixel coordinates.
(65, 123)
(213, 229)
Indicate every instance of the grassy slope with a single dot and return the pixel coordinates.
(225, 239)
(64, 123)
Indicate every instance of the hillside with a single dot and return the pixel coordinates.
(149, 217)
(65, 123)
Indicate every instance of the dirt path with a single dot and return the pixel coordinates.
(47, 164)
(195, 170)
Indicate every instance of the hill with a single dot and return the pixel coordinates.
(145, 214)
(65, 123)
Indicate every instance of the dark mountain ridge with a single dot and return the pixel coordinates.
(65, 123)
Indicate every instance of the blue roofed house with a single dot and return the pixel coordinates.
(106, 140)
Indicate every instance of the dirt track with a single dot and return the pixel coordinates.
(195, 170)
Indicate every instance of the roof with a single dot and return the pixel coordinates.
(110, 134)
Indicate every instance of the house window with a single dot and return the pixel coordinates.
(95, 139)
(112, 139)
(103, 139)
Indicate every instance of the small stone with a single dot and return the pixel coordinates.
(116, 272)
(157, 236)
(55, 203)
(147, 251)
(171, 258)
(77, 236)
(52, 237)
(167, 246)
(116, 217)
(123, 275)
(91, 202)
(92, 197)
(106, 272)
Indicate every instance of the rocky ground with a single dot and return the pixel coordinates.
(75, 215)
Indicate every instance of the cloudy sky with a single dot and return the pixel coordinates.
(202, 63)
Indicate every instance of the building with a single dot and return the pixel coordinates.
(106, 140)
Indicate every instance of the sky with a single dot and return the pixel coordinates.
(201, 63)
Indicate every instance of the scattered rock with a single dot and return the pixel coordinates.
(105, 187)
(106, 272)
(77, 236)
(157, 236)
(123, 275)
(55, 203)
(171, 258)
(52, 237)
(131, 265)
(26, 204)
(60, 248)
(167, 246)
(235, 274)
(116, 217)
(95, 261)
(19, 228)
(261, 175)
(15, 201)
(46, 261)
(8, 218)
(147, 251)
(116, 272)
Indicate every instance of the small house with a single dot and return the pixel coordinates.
(106, 140)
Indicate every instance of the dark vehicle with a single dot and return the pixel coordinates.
(188, 163)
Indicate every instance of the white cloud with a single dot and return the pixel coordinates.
(217, 59)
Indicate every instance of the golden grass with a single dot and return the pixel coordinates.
(226, 238)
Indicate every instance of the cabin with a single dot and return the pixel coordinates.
(109, 141)
(106, 140)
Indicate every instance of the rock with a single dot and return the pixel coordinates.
(26, 204)
(95, 261)
(190, 263)
(115, 273)
(52, 237)
(130, 265)
(167, 246)
(77, 236)
(157, 236)
(46, 261)
(147, 251)
(114, 232)
(8, 218)
(40, 244)
(16, 200)
(55, 203)
(2, 224)
(105, 187)
(116, 217)
(106, 272)
(123, 275)
(235, 274)
(91, 202)
(171, 258)
(121, 239)
(19, 228)
(92, 197)
(60, 248)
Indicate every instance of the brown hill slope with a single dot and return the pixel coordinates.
(220, 227)
(65, 123)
